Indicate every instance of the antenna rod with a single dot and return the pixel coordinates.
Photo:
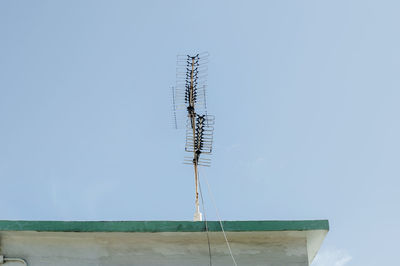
(192, 115)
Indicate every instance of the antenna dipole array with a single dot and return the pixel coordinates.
(189, 95)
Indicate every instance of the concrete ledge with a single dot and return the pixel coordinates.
(159, 243)
(161, 226)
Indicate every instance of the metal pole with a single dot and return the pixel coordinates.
(197, 215)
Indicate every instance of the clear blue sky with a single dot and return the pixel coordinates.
(305, 94)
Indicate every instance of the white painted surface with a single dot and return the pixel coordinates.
(290, 248)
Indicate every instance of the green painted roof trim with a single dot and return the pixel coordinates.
(161, 226)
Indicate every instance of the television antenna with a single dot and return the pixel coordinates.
(189, 96)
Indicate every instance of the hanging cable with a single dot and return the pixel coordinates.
(205, 221)
(220, 222)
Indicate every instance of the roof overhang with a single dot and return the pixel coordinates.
(250, 240)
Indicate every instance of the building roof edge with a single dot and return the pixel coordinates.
(162, 226)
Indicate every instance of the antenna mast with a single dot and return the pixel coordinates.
(190, 88)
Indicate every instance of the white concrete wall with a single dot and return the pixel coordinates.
(105, 249)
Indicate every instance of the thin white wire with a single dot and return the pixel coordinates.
(219, 219)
